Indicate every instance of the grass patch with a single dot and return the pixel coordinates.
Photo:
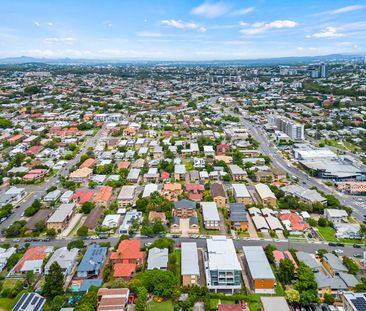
(327, 233)
(178, 264)
(254, 302)
(6, 304)
(227, 302)
(160, 306)
(213, 303)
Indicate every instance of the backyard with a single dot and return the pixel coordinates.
(160, 306)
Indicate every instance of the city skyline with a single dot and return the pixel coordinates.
(181, 30)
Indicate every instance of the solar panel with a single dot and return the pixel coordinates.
(39, 304)
(34, 300)
(359, 303)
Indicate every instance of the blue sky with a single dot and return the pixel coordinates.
(181, 29)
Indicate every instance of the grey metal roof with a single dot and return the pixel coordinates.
(335, 262)
(238, 212)
(185, 204)
(308, 260)
(61, 213)
(158, 258)
(189, 259)
(209, 211)
(325, 281)
(258, 263)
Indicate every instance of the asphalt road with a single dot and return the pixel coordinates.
(201, 243)
(267, 148)
(38, 191)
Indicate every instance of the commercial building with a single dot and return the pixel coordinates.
(259, 272)
(222, 267)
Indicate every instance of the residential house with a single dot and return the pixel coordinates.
(61, 217)
(30, 302)
(92, 261)
(274, 304)
(179, 172)
(172, 191)
(157, 259)
(237, 173)
(32, 259)
(219, 195)
(210, 216)
(190, 270)
(259, 272)
(130, 217)
(333, 264)
(103, 196)
(126, 259)
(184, 208)
(293, 222)
(195, 192)
(66, 259)
(241, 194)
(115, 299)
(81, 175)
(266, 196)
(5, 253)
(126, 196)
(238, 216)
(336, 216)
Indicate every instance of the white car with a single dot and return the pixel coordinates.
(339, 251)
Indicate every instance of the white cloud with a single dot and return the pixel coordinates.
(300, 48)
(328, 32)
(50, 24)
(62, 40)
(243, 11)
(242, 24)
(347, 9)
(260, 27)
(208, 9)
(183, 25)
(37, 24)
(151, 34)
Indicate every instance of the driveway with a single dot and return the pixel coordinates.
(251, 228)
(184, 226)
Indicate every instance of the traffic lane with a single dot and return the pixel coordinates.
(348, 250)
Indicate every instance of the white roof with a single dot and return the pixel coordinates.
(222, 254)
(274, 223)
(209, 211)
(260, 222)
(179, 169)
(61, 213)
(241, 191)
(332, 212)
(264, 191)
(149, 189)
(189, 259)
(127, 193)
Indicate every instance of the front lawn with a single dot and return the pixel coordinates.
(160, 306)
(6, 304)
(327, 233)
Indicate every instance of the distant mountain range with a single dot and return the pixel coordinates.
(259, 61)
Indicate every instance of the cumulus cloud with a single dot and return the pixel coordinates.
(243, 11)
(260, 27)
(208, 9)
(328, 32)
(62, 40)
(183, 25)
(151, 34)
(37, 24)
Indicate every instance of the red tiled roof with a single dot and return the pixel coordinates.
(128, 249)
(229, 307)
(34, 253)
(124, 270)
(83, 196)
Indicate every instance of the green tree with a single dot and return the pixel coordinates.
(329, 299)
(141, 299)
(292, 295)
(352, 267)
(269, 252)
(54, 281)
(286, 270)
(82, 231)
(75, 244)
(87, 207)
(159, 282)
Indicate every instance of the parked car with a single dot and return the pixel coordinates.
(356, 245)
(339, 251)
(357, 255)
(332, 244)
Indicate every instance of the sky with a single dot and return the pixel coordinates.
(181, 29)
